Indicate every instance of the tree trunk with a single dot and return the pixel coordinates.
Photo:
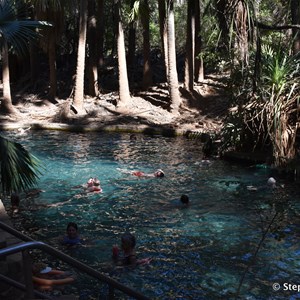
(100, 33)
(163, 32)
(222, 20)
(34, 63)
(92, 58)
(147, 71)
(124, 93)
(78, 102)
(199, 68)
(131, 47)
(241, 27)
(52, 67)
(172, 72)
(190, 47)
(295, 15)
(6, 101)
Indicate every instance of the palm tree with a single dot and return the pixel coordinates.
(131, 40)
(78, 103)
(100, 33)
(199, 68)
(147, 70)
(19, 169)
(140, 9)
(15, 33)
(163, 31)
(172, 71)
(124, 93)
(52, 11)
(190, 47)
(92, 67)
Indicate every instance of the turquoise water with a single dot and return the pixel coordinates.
(199, 252)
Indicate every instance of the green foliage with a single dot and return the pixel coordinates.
(180, 14)
(155, 35)
(270, 114)
(14, 31)
(19, 169)
(278, 69)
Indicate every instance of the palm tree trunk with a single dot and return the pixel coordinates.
(190, 47)
(100, 32)
(34, 62)
(199, 67)
(147, 71)
(124, 93)
(52, 67)
(6, 101)
(131, 47)
(163, 32)
(172, 72)
(92, 60)
(78, 102)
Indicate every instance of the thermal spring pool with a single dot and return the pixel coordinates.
(199, 252)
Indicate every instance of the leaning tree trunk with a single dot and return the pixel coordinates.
(124, 93)
(6, 101)
(172, 71)
(78, 102)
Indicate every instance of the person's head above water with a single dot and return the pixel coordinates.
(72, 230)
(159, 173)
(96, 182)
(90, 182)
(128, 241)
(271, 182)
(184, 199)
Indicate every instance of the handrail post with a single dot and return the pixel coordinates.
(27, 266)
(111, 293)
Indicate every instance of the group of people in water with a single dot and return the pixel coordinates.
(93, 184)
(45, 277)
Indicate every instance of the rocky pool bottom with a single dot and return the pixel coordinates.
(199, 252)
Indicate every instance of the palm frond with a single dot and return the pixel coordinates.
(14, 31)
(19, 169)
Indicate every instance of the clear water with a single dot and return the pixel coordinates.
(199, 252)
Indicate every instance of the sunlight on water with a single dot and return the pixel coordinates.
(199, 252)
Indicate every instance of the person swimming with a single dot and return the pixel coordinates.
(158, 173)
(184, 199)
(129, 258)
(93, 185)
(72, 237)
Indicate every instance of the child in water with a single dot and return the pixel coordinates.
(129, 257)
(93, 185)
(72, 238)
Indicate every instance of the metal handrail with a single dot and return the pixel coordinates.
(31, 244)
(23, 287)
(15, 232)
